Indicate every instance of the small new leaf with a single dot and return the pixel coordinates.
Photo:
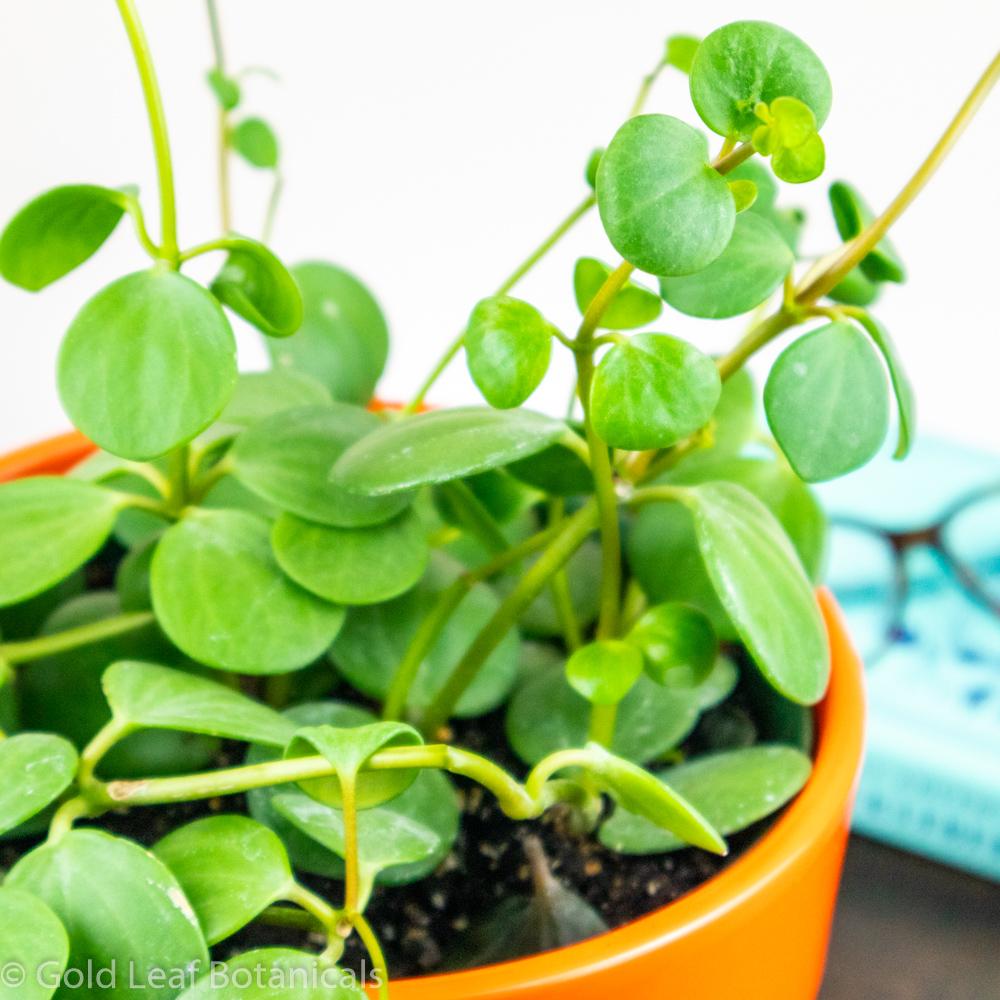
(258, 287)
(256, 142)
(225, 88)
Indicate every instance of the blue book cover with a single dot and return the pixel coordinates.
(915, 562)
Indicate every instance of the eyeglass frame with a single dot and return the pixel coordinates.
(931, 536)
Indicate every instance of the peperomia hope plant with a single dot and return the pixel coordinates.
(343, 591)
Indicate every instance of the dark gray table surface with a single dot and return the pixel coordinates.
(908, 929)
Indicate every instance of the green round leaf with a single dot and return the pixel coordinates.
(256, 142)
(546, 715)
(34, 947)
(759, 580)
(749, 270)
(827, 402)
(343, 340)
(678, 643)
(733, 790)
(57, 232)
(35, 769)
(663, 533)
(604, 671)
(222, 598)
(632, 307)
(374, 640)
(305, 853)
(802, 164)
(120, 906)
(348, 750)
(742, 64)
(508, 344)
(230, 868)
(287, 458)
(734, 422)
(49, 526)
(148, 363)
(443, 445)
(62, 693)
(652, 391)
(258, 287)
(852, 214)
(261, 394)
(664, 208)
(276, 974)
(149, 696)
(352, 565)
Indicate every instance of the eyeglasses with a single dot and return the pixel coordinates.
(875, 572)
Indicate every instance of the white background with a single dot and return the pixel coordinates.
(429, 145)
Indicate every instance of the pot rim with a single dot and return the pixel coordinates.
(815, 815)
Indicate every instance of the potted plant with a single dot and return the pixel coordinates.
(326, 659)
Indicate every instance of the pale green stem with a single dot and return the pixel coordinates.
(158, 126)
(571, 536)
(349, 810)
(108, 736)
(522, 269)
(855, 250)
(219, 52)
(600, 461)
(277, 187)
(374, 948)
(440, 613)
(474, 517)
(73, 638)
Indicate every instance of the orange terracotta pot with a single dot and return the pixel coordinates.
(758, 931)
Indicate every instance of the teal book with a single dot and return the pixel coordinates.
(915, 562)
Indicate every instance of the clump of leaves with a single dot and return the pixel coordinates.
(331, 584)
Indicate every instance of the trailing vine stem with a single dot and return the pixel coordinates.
(853, 251)
(519, 801)
(507, 286)
(571, 535)
(440, 612)
(26, 650)
(158, 126)
(219, 53)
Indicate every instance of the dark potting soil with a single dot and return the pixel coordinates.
(421, 924)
